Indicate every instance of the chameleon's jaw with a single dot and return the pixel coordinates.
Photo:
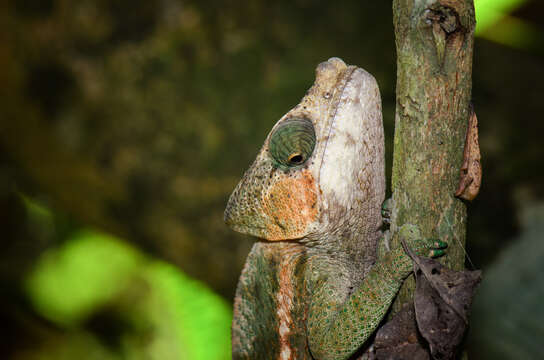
(273, 205)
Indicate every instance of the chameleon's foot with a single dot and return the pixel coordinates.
(429, 247)
(411, 238)
(438, 249)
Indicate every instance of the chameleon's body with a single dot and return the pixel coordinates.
(313, 289)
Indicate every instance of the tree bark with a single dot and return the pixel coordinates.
(434, 41)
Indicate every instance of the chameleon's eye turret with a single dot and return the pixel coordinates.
(292, 143)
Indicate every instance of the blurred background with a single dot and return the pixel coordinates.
(124, 125)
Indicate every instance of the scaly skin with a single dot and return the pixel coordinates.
(313, 288)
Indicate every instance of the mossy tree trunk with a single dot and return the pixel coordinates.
(434, 40)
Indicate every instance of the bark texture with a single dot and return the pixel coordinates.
(434, 41)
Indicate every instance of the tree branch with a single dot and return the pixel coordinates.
(434, 41)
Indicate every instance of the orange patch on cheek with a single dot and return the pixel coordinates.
(290, 205)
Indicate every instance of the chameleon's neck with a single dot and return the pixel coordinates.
(356, 241)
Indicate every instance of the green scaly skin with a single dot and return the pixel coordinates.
(337, 329)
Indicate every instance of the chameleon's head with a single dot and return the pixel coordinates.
(321, 169)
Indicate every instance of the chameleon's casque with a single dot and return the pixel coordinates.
(313, 289)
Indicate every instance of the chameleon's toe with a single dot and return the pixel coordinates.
(439, 244)
(436, 253)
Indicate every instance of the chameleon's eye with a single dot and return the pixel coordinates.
(292, 142)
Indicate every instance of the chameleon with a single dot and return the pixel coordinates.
(313, 286)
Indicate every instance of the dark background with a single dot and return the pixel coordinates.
(136, 119)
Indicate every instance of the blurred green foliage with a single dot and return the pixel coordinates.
(495, 23)
(163, 313)
(70, 282)
(489, 12)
